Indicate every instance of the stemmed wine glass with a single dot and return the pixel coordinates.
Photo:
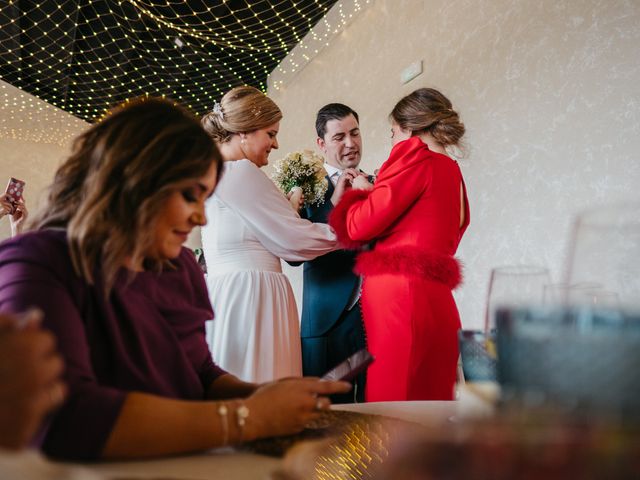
(580, 352)
(584, 293)
(513, 286)
(583, 354)
(605, 250)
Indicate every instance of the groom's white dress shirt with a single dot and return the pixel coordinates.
(333, 173)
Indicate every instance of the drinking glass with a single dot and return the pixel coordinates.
(513, 286)
(582, 354)
(585, 293)
(605, 250)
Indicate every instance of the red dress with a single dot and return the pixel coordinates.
(411, 319)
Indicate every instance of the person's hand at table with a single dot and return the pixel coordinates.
(30, 385)
(277, 408)
(284, 407)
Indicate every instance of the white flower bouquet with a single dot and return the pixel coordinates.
(304, 170)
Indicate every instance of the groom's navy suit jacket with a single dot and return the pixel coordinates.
(329, 332)
(328, 280)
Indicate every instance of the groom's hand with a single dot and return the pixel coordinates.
(344, 184)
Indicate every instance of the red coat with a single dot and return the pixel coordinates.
(411, 320)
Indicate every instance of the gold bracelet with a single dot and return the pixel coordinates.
(242, 413)
(222, 411)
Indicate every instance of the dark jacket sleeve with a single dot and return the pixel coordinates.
(319, 214)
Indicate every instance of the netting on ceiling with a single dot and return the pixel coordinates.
(85, 56)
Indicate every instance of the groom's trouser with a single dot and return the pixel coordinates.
(321, 354)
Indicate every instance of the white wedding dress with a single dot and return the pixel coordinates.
(255, 333)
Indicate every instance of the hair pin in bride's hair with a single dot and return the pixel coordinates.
(217, 110)
(255, 110)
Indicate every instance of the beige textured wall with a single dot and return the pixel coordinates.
(550, 94)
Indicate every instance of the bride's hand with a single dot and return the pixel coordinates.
(361, 183)
(296, 198)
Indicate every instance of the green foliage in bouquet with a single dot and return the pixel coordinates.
(303, 169)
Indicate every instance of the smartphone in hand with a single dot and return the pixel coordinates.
(13, 192)
(351, 367)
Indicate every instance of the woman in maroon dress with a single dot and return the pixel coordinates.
(416, 214)
(127, 302)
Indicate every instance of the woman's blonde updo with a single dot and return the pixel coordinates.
(242, 109)
(428, 110)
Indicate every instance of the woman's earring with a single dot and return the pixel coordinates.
(242, 141)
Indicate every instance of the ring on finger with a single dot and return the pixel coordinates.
(319, 403)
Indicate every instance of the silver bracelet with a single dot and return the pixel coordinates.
(224, 420)
(242, 413)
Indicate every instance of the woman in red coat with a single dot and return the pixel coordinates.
(416, 214)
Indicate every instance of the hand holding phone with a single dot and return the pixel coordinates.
(351, 367)
(13, 193)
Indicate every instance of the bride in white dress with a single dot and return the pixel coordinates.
(251, 226)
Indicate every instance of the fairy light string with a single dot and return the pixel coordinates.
(86, 57)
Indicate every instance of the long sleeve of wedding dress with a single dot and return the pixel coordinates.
(269, 216)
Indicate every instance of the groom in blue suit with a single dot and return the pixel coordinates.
(331, 329)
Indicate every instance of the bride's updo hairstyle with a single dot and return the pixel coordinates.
(241, 110)
(426, 110)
